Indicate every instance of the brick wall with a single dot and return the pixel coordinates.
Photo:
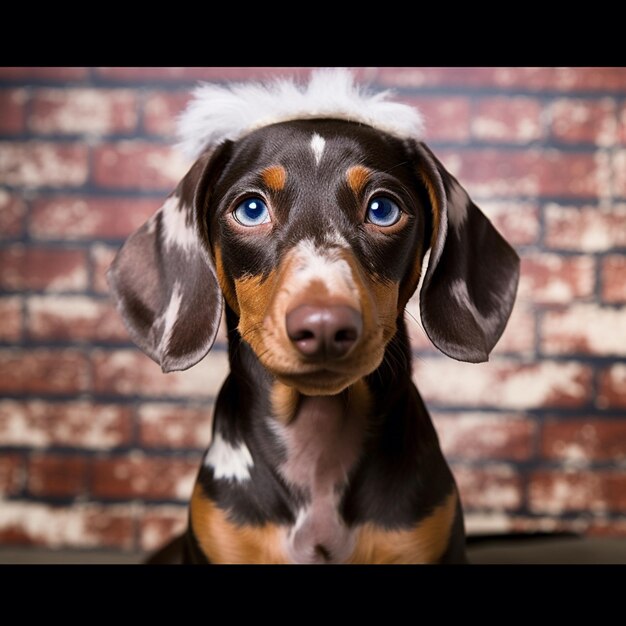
(99, 449)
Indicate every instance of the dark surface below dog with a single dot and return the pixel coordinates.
(505, 550)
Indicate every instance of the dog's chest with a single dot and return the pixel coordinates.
(323, 442)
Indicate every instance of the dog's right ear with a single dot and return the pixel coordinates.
(163, 279)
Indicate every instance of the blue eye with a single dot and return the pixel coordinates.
(382, 211)
(252, 212)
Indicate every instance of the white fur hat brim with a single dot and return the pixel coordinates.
(220, 112)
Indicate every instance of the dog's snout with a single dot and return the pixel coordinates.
(324, 332)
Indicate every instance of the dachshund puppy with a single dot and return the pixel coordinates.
(307, 217)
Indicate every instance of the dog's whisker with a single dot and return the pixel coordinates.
(393, 167)
(393, 361)
(413, 318)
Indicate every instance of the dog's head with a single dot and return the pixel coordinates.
(312, 226)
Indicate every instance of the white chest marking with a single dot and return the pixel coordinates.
(228, 461)
(318, 144)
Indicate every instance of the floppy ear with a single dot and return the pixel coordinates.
(471, 281)
(163, 278)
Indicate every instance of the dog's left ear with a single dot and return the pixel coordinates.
(163, 279)
(472, 276)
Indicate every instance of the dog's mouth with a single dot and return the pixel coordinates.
(327, 377)
(320, 383)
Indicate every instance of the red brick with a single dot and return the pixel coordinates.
(580, 121)
(160, 524)
(519, 335)
(489, 172)
(588, 228)
(90, 111)
(12, 103)
(193, 74)
(497, 487)
(595, 78)
(73, 218)
(607, 528)
(43, 371)
(507, 119)
(102, 256)
(517, 222)
(559, 491)
(57, 475)
(160, 111)
(43, 164)
(561, 79)
(532, 172)
(44, 73)
(42, 268)
(77, 318)
(446, 118)
(12, 211)
(619, 173)
(11, 474)
(613, 278)
(500, 522)
(11, 316)
(503, 383)
(485, 436)
(138, 165)
(621, 125)
(75, 526)
(441, 76)
(582, 441)
(129, 372)
(77, 424)
(550, 278)
(584, 328)
(139, 476)
(174, 426)
(612, 387)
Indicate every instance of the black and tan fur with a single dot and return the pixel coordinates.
(343, 463)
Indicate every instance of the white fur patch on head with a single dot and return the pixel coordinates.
(220, 112)
(317, 145)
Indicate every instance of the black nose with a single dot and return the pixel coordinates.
(324, 332)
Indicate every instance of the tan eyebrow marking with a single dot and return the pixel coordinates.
(274, 177)
(357, 176)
